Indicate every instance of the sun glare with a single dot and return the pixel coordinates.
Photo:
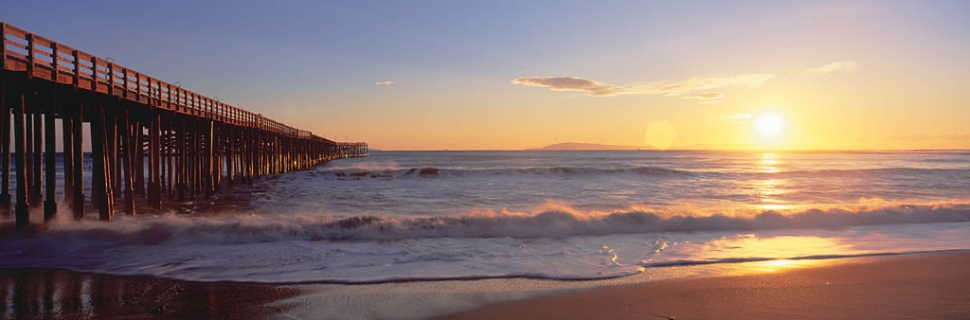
(769, 125)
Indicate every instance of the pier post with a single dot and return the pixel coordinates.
(154, 168)
(67, 155)
(139, 159)
(114, 149)
(209, 171)
(20, 145)
(129, 152)
(50, 153)
(35, 190)
(180, 165)
(28, 150)
(101, 182)
(230, 156)
(4, 148)
(78, 158)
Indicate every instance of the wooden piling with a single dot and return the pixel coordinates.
(67, 156)
(127, 138)
(50, 154)
(35, 188)
(154, 159)
(4, 148)
(78, 159)
(20, 145)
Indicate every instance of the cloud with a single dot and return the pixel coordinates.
(670, 88)
(831, 67)
(383, 83)
(736, 117)
(708, 95)
(591, 87)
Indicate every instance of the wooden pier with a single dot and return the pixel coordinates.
(150, 140)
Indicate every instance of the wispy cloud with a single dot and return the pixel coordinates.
(591, 87)
(708, 97)
(383, 83)
(831, 67)
(736, 117)
(686, 87)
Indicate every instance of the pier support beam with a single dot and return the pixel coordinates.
(154, 165)
(128, 140)
(35, 187)
(101, 181)
(78, 159)
(4, 149)
(20, 145)
(50, 154)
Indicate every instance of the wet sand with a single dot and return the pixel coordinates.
(929, 286)
(61, 294)
(918, 286)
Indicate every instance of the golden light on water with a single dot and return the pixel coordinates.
(769, 189)
(769, 163)
(781, 247)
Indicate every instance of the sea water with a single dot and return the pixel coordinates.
(398, 216)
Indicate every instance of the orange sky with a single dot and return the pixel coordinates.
(513, 75)
(843, 76)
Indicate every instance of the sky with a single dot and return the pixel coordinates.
(510, 75)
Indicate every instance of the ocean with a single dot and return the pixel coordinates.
(560, 215)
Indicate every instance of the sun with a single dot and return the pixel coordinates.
(769, 125)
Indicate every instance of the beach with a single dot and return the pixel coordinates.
(923, 286)
(582, 235)
(917, 286)
(484, 160)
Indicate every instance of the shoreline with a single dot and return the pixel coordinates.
(926, 283)
(918, 285)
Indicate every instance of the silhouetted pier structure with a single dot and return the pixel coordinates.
(150, 139)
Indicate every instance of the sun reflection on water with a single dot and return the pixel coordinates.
(769, 163)
(768, 190)
(776, 250)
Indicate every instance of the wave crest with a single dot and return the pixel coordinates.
(555, 222)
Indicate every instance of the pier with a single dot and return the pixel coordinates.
(150, 140)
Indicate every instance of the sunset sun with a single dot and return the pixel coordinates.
(769, 125)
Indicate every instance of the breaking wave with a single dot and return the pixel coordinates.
(557, 222)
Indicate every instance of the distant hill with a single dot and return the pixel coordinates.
(588, 146)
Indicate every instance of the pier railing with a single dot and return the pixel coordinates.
(46, 59)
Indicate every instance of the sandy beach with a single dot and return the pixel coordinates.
(918, 286)
(923, 286)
